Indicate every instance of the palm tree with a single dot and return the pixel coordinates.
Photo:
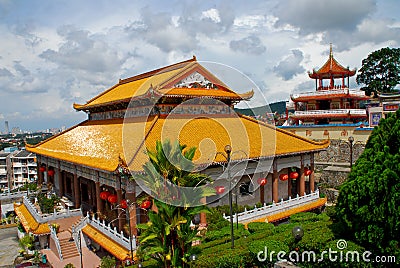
(170, 176)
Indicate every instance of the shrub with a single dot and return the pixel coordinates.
(255, 227)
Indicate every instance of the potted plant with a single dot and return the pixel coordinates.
(55, 226)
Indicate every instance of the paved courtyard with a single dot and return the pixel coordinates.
(9, 246)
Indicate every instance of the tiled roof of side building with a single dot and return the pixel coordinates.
(100, 144)
(28, 221)
(24, 153)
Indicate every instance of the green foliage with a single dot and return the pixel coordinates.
(69, 265)
(226, 232)
(380, 71)
(255, 227)
(308, 216)
(26, 242)
(369, 200)
(215, 220)
(167, 237)
(47, 204)
(108, 262)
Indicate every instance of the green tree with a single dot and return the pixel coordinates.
(380, 71)
(168, 236)
(369, 201)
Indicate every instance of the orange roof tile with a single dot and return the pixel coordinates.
(287, 213)
(107, 243)
(100, 144)
(28, 221)
(331, 68)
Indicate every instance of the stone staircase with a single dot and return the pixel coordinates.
(68, 247)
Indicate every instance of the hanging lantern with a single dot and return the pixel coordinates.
(42, 169)
(124, 204)
(262, 181)
(50, 172)
(146, 204)
(112, 199)
(307, 172)
(104, 195)
(284, 177)
(220, 189)
(294, 175)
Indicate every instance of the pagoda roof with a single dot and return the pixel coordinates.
(176, 80)
(100, 144)
(331, 69)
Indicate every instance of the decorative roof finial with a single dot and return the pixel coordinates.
(194, 58)
(330, 51)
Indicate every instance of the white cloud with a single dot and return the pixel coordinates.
(211, 14)
(290, 66)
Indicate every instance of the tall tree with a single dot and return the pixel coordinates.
(369, 201)
(380, 71)
(168, 235)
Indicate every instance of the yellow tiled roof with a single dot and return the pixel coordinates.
(162, 81)
(105, 242)
(28, 221)
(100, 144)
(199, 92)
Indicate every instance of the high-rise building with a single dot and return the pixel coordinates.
(6, 129)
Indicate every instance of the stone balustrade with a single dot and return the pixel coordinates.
(112, 233)
(249, 215)
(42, 218)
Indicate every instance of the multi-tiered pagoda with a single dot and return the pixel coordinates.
(333, 102)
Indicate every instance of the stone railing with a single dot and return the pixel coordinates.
(12, 195)
(112, 233)
(332, 112)
(53, 236)
(42, 218)
(329, 92)
(249, 215)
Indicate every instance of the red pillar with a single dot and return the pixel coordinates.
(121, 221)
(302, 182)
(312, 175)
(60, 182)
(131, 196)
(289, 184)
(275, 180)
(99, 203)
(77, 191)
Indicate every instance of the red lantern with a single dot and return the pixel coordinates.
(50, 172)
(42, 169)
(124, 204)
(284, 177)
(262, 181)
(294, 175)
(220, 189)
(104, 195)
(307, 172)
(146, 204)
(112, 199)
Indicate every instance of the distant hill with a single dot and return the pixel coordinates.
(279, 107)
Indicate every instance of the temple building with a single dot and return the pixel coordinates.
(93, 165)
(333, 102)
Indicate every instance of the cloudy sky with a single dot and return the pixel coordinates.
(54, 53)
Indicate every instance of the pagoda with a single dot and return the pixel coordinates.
(333, 103)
